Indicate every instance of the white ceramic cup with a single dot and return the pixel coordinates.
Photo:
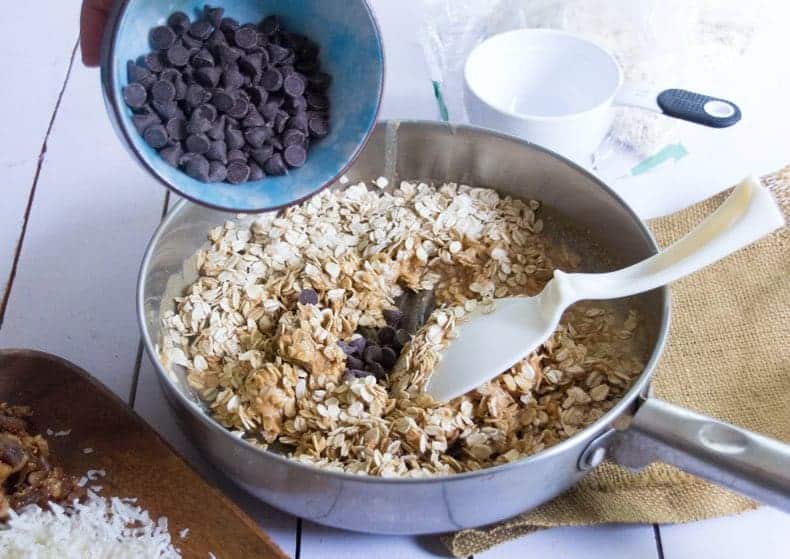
(556, 89)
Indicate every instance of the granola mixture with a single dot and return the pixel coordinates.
(272, 369)
(27, 475)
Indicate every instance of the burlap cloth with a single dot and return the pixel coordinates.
(728, 356)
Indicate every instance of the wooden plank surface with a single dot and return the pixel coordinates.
(33, 77)
(136, 462)
(93, 214)
(94, 210)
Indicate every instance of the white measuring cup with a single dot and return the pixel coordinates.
(557, 90)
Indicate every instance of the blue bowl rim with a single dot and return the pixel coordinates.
(108, 66)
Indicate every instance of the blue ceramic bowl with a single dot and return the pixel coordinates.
(351, 51)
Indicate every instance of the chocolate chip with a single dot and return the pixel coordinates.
(275, 166)
(392, 317)
(153, 62)
(202, 59)
(162, 38)
(197, 143)
(299, 122)
(270, 25)
(276, 100)
(294, 85)
(208, 76)
(258, 94)
(256, 136)
(144, 120)
(388, 357)
(234, 138)
(216, 41)
(218, 151)
(196, 95)
(155, 136)
(163, 90)
(269, 111)
(277, 54)
(262, 155)
(293, 137)
(135, 95)
(201, 29)
(308, 297)
(347, 348)
(217, 130)
(198, 124)
(217, 172)
(228, 55)
(176, 128)
(228, 24)
(251, 64)
(238, 172)
(170, 74)
(239, 108)
(359, 344)
(245, 38)
(281, 121)
(223, 101)
(232, 78)
(181, 88)
(318, 127)
(213, 14)
(272, 80)
(386, 335)
(209, 112)
(378, 370)
(191, 43)
(197, 167)
(253, 119)
(165, 109)
(275, 142)
(138, 74)
(295, 155)
(372, 354)
(171, 154)
(177, 55)
(256, 172)
(237, 155)
(354, 362)
(178, 22)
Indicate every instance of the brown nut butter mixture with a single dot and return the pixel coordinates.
(275, 333)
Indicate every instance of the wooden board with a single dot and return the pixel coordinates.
(138, 462)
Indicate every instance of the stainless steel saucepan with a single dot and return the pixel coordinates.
(647, 429)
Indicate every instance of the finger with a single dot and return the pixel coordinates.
(92, 21)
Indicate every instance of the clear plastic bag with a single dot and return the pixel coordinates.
(659, 43)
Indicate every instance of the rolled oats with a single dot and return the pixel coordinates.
(270, 367)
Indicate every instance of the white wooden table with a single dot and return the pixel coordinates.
(76, 213)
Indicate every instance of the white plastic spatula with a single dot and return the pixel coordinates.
(489, 344)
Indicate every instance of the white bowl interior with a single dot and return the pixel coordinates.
(542, 73)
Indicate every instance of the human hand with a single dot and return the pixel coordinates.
(92, 21)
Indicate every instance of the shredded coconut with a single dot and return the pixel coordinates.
(97, 528)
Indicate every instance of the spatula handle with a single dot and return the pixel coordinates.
(748, 214)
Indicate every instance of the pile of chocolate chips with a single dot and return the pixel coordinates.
(376, 350)
(229, 102)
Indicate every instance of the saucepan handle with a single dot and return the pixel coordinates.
(751, 464)
(683, 104)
